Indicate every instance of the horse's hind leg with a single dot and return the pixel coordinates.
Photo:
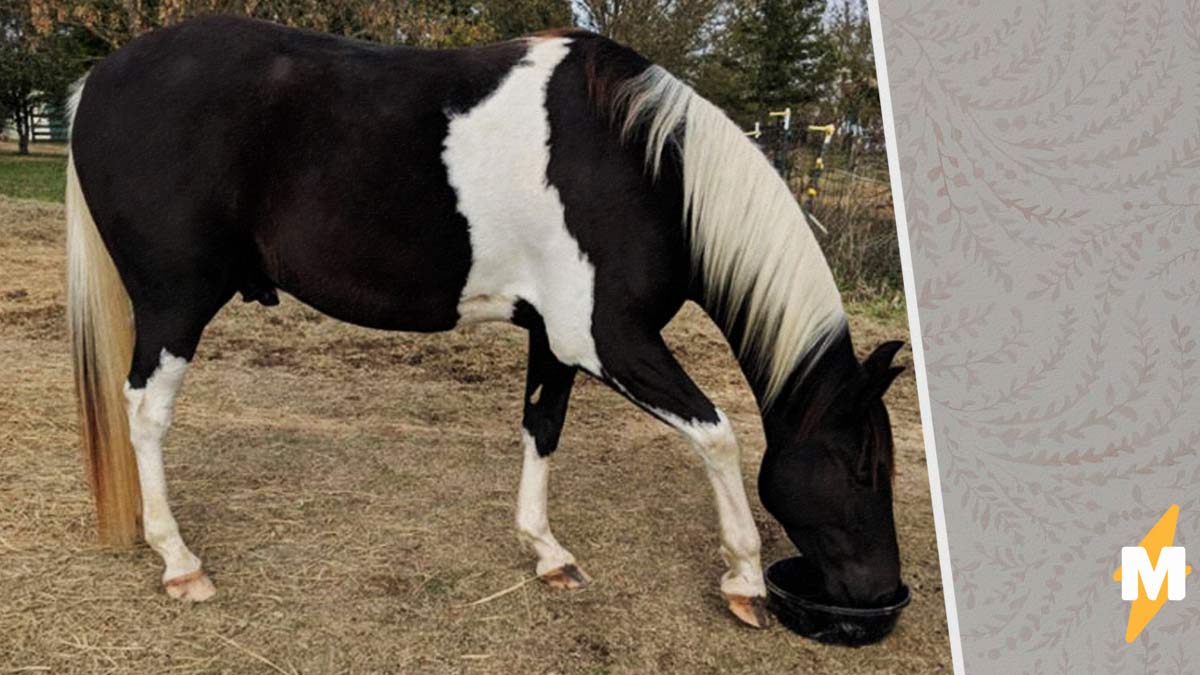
(547, 390)
(166, 341)
(643, 369)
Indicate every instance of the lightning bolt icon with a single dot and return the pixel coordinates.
(1142, 610)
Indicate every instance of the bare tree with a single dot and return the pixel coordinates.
(430, 23)
(853, 89)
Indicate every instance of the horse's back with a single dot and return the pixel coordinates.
(391, 187)
(310, 160)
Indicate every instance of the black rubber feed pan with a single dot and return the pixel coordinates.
(794, 598)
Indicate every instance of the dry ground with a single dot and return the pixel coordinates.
(351, 490)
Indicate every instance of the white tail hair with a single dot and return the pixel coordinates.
(750, 239)
(101, 327)
(74, 93)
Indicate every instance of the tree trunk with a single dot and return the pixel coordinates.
(22, 132)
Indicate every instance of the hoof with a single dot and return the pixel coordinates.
(192, 587)
(752, 611)
(567, 578)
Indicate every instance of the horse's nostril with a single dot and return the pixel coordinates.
(866, 590)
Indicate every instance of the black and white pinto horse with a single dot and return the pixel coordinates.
(559, 182)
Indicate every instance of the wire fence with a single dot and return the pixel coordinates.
(840, 175)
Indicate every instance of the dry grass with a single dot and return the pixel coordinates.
(352, 491)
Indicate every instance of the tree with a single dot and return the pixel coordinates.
(854, 90)
(748, 56)
(425, 23)
(45, 44)
(676, 34)
(779, 52)
(767, 55)
(514, 18)
(37, 63)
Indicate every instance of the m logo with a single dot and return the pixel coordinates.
(1171, 568)
(1149, 567)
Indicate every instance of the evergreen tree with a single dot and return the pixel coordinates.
(767, 55)
(780, 53)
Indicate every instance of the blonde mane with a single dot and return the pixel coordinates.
(750, 239)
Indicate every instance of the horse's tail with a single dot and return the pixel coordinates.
(764, 277)
(100, 321)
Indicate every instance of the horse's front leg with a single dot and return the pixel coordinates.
(548, 385)
(641, 367)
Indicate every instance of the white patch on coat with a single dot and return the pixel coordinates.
(533, 520)
(496, 157)
(150, 409)
(483, 308)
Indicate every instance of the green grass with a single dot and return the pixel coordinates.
(884, 305)
(36, 176)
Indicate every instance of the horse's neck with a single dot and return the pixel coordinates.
(810, 390)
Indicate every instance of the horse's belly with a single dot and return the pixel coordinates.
(380, 280)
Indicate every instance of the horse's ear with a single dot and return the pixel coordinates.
(878, 383)
(881, 359)
(879, 370)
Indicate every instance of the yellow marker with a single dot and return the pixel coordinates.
(812, 192)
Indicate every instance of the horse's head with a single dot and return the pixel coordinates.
(827, 476)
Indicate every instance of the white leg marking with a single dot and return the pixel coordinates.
(496, 157)
(740, 544)
(150, 411)
(533, 522)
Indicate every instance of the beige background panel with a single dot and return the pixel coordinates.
(1050, 155)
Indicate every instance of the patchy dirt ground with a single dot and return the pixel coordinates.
(352, 491)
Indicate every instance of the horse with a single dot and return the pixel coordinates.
(560, 182)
